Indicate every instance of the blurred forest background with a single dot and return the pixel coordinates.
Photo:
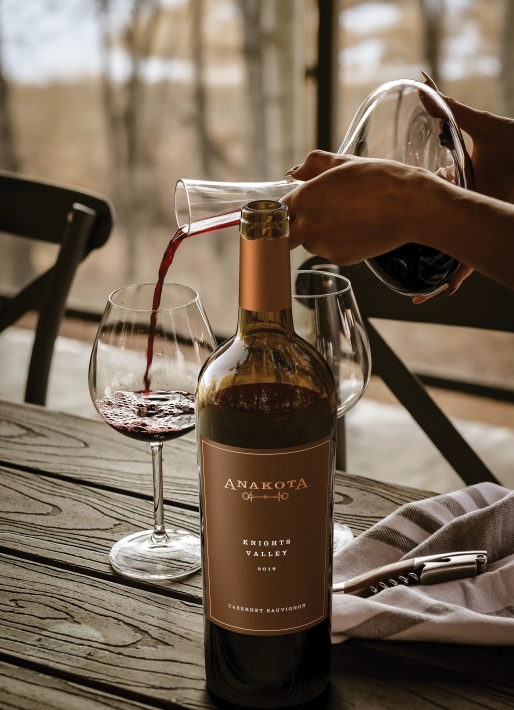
(125, 96)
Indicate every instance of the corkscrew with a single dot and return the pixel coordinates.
(431, 569)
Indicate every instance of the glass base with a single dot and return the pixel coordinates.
(342, 536)
(138, 556)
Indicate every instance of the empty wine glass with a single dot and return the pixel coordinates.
(142, 379)
(325, 314)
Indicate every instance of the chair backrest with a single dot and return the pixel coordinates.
(479, 303)
(79, 221)
(39, 209)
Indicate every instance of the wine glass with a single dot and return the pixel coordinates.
(142, 379)
(325, 314)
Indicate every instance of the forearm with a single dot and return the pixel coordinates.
(479, 231)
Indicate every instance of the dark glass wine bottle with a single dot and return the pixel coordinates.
(266, 414)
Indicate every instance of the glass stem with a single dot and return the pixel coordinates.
(159, 536)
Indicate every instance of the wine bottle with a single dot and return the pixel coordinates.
(266, 415)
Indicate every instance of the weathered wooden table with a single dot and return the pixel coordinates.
(75, 636)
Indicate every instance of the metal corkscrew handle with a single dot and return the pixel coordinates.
(431, 569)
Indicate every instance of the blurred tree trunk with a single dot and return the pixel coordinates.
(206, 147)
(432, 15)
(132, 151)
(20, 249)
(273, 49)
(8, 157)
(507, 59)
(253, 44)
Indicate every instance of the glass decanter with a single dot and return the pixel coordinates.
(402, 120)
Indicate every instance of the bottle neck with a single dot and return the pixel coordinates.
(264, 286)
(253, 322)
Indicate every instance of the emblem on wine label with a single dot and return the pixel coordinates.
(279, 496)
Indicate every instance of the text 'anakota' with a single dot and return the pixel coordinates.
(267, 485)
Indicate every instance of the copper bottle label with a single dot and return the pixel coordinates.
(266, 520)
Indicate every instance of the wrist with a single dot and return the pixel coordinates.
(443, 213)
(473, 228)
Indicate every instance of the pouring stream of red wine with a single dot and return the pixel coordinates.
(230, 219)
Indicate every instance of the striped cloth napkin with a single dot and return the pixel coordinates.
(469, 611)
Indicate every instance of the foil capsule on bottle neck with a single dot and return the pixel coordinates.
(264, 267)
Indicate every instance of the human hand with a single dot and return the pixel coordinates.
(492, 157)
(493, 162)
(453, 284)
(493, 146)
(350, 209)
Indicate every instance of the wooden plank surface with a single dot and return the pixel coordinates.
(91, 638)
(494, 664)
(152, 647)
(69, 523)
(90, 452)
(77, 525)
(105, 633)
(25, 689)
(87, 450)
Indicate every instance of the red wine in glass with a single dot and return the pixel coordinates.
(154, 416)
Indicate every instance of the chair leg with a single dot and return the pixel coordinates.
(28, 299)
(414, 397)
(80, 222)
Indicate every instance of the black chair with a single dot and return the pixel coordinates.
(479, 303)
(79, 221)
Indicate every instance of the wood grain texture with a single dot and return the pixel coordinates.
(152, 646)
(88, 451)
(103, 632)
(104, 644)
(72, 524)
(77, 525)
(24, 689)
(83, 449)
(361, 502)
